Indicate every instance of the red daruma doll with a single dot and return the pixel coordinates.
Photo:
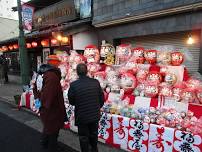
(151, 90)
(91, 53)
(138, 55)
(123, 53)
(177, 58)
(150, 56)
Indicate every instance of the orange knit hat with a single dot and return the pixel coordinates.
(53, 60)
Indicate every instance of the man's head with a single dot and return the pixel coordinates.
(81, 69)
(53, 60)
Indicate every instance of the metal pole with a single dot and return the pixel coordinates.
(24, 66)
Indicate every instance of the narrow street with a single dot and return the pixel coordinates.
(18, 137)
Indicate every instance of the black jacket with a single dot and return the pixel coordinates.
(87, 97)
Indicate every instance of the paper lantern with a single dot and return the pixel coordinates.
(10, 47)
(44, 42)
(15, 46)
(34, 44)
(54, 41)
(28, 45)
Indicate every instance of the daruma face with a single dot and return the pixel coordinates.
(177, 58)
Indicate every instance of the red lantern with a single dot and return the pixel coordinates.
(15, 46)
(5, 48)
(44, 42)
(28, 45)
(54, 41)
(177, 58)
(34, 44)
(10, 47)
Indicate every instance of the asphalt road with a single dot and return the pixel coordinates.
(17, 137)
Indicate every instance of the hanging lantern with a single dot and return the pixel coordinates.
(59, 37)
(28, 45)
(15, 46)
(54, 41)
(5, 48)
(10, 47)
(44, 42)
(34, 44)
(65, 39)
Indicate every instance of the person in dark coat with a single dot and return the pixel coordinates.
(52, 110)
(5, 68)
(87, 97)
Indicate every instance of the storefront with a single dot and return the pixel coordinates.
(161, 23)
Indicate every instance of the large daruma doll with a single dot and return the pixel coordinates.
(123, 53)
(91, 53)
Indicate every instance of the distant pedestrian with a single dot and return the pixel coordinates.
(5, 68)
(87, 97)
(52, 111)
(1, 72)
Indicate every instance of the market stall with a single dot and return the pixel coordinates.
(152, 104)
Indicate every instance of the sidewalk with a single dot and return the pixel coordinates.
(26, 117)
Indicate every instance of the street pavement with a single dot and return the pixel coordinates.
(17, 137)
(29, 124)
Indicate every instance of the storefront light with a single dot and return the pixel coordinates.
(65, 39)
(54, 41)
(34, 44)
(59, 37)
(190, 40)
(28, 45)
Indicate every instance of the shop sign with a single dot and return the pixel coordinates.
(85, 8)
(27, 16)
(55, 14)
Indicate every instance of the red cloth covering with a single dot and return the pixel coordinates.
(186, 74)
(154, 67)
(196, 108)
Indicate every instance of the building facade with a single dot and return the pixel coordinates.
(151, 23)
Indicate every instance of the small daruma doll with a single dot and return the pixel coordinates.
(100, 76)
(164, 57)
(107, 54)
(165, 89)
(151, 90)
(141, 75)
(154, 77)
(177, 91)
(188, 95)
(123, 53)
(199, 94)
(177, 58)
(91, 53)
(138, 55)
(128, 82)
(170, 78)
(92, 69)
(150, 56)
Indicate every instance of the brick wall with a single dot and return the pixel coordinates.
(105, 10)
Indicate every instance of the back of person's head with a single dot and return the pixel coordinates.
(81, 69)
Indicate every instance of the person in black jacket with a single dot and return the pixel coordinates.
(87, 97)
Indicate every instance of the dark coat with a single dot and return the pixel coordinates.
(52, 111)
(87, 97)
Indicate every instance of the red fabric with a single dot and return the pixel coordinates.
(154, 102)
(103, 67)
(130, 97)
(27, 98)
(197, 109)
(155, 68)
(186, 75)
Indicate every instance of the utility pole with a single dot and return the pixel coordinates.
(24, 65)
